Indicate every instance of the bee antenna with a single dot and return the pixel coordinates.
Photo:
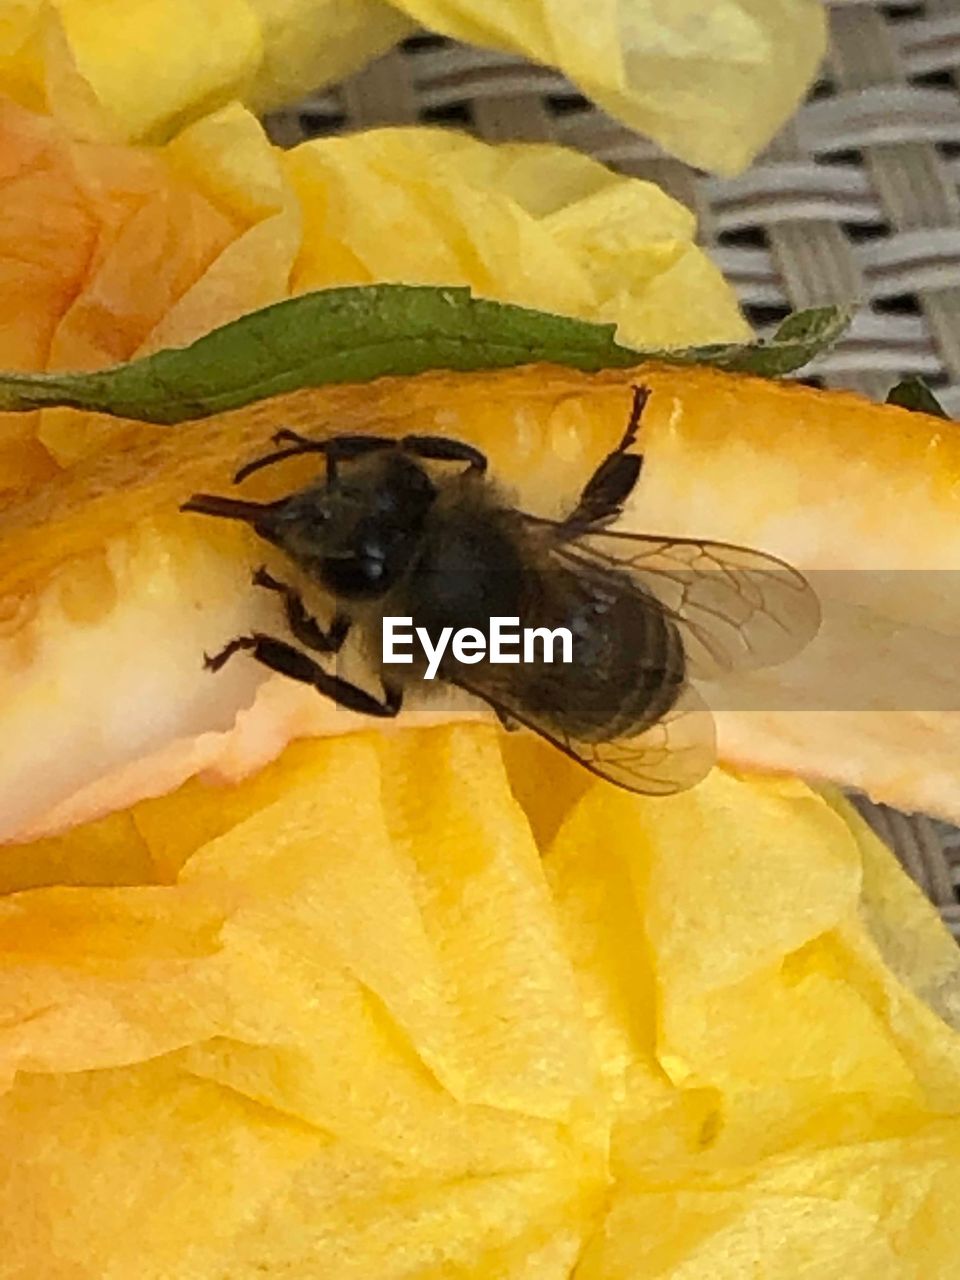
(211, 504)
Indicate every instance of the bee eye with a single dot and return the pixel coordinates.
(355, 576)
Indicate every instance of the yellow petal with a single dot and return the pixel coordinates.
(385, 1022)
(121, 70)
(307, 43)
(150, 61)
(711, 83)
(532, 224)
(849, 1213)
(148, 289)
(397, 1005)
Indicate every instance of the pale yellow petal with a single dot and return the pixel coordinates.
(538, 225)
(124, 70)
(656, 1052)
(711, 83)
(852, 1213)
(226, 158)
(308, 43)
(390, 1001)
(152, 63)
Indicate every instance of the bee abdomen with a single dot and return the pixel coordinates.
(656, 686)
(647, 672)
(628, 669)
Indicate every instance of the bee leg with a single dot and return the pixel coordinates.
(443, 449)
(613, 481)
(337, 449)
(301, 622)
(280, 455)
(281, 657)
(286, 436)
(506, 720)
(345, 448)
(640, 397)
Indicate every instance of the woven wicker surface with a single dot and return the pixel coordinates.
(857, 199)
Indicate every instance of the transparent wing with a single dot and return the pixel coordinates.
(736, 608)
(672, 755)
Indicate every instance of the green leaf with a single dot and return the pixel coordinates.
(913, 393)
(800, 337)
(360, 333)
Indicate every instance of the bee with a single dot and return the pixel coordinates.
(415, 527)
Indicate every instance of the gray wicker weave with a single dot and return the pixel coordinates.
(856, 199)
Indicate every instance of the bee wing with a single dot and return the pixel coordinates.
(736, 608)
(670, 756)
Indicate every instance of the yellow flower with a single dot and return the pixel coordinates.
(430, 1003)
(710, 81)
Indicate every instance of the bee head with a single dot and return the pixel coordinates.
(354, 536)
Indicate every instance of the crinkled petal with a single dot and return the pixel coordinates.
(380, 1029)
(123, 70)
(710, 82)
